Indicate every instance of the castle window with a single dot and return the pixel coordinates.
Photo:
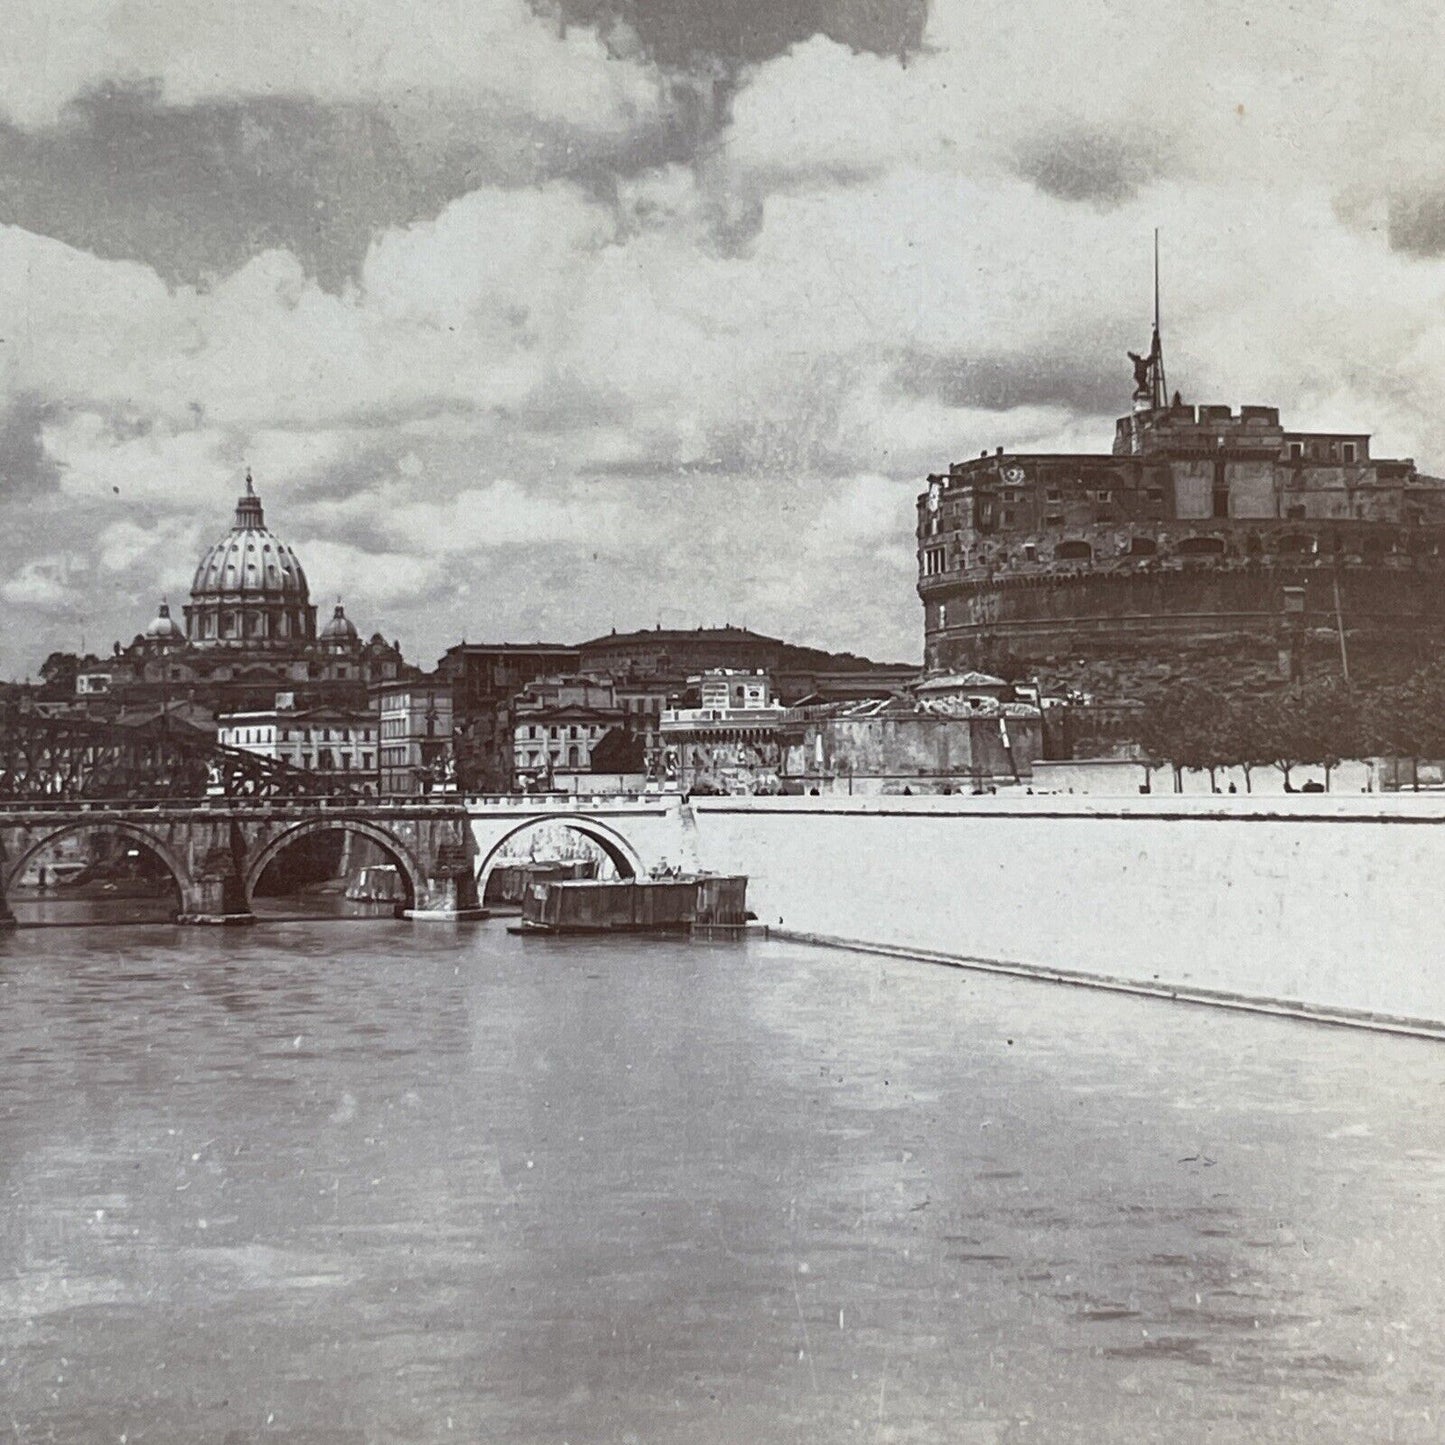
(1073, 552)
(1104, 495)
(1296, 451)
(1054, 519)
(1347, 452)
(1201, 547)
(1155, 494)
(1031, 553)
(1142, 546)
(1008, 518)
(1053, 495)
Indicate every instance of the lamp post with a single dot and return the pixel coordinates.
(1294, 628)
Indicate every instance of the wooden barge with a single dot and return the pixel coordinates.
(712, 902)
(508, 883)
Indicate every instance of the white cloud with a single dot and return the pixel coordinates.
(338, 569)
(42, 585)
(719, 387)
(493, 58)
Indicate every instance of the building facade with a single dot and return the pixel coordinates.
(1174, 549)
(485, 678)
(731, 741)
(339, 744)
(414, 735)
(552, 739)
(894, 746)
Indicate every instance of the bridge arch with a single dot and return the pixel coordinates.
(620, 853)
(14, 869)
(387, 841)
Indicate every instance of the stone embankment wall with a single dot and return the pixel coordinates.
(1323, 905)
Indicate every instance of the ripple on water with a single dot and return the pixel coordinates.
(452, 1188)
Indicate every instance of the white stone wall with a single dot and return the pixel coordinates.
(1330, 902)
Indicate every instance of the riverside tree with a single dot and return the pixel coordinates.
(1408, 720)
(1186, 729)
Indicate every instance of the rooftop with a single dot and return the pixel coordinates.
(510, 647)
(726, 633)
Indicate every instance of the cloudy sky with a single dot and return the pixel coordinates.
(536, 317)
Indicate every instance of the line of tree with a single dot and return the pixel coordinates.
(1194, 728)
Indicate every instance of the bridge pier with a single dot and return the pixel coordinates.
(447, 893)
(213, 888)
(215, 901)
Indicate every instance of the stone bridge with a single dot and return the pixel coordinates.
(217, 849)
(637, 832)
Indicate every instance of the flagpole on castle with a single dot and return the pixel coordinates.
(1161, 384)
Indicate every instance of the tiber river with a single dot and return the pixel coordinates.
(373, 1181)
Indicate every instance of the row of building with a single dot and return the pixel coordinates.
(727, 732)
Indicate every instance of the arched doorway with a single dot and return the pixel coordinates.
(100, 872)
(553, 847)
(340, 868)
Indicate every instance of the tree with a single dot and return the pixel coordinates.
(1245, 742)
(1277, 737)
(1186, 728)
(1408, 720)
(619, 750)
(1327, 725)
(58, 673)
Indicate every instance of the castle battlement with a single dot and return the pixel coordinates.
(1186, 490)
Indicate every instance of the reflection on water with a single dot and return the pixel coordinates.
(33, 908)
(406, 1182)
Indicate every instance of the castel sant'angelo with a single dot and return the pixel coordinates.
(1210, 543)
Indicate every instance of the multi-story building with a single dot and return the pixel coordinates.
(484, 678)
(549, 739)
(1173, 550)
(340, 744)
(643, 701)
(414, 734)
(729, 742)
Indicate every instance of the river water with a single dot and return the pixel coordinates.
(352, 1182)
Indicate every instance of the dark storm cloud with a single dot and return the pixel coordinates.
(196, 191)
(26, 469)
(1417, 224)
(1087, 164)
(729, 32)
(1089, 380)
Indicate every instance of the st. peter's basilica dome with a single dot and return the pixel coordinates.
(249, 589)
